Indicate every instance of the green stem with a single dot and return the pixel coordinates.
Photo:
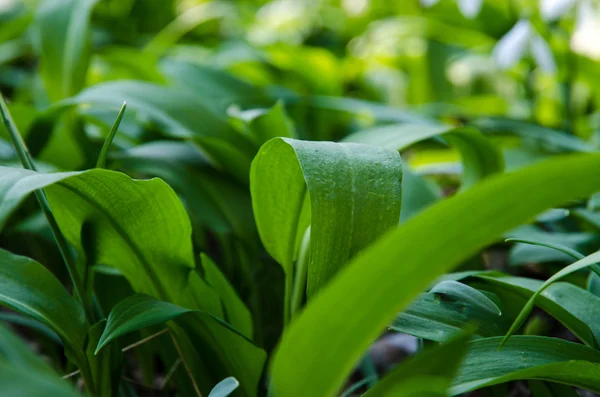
(101, 163)
(301, 272)
(25, 158)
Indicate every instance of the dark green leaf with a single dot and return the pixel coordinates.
(528, 357)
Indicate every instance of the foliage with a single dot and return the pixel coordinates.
(213, 198)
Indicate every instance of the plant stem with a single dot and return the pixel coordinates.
(101, 163)
(147, 339)
(185, 364)
(63, 246)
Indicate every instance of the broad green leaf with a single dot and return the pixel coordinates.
(354, 192)
(528, 357)
(441, 361)
(62, 38)
(29, 288)
(480, 157)
(118, 215)
(360, 316)
(219, 348)
(465, 293)
(236, 312)
(224, 388)
(432, 318)
(588, 261)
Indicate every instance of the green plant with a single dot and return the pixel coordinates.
(230, 200)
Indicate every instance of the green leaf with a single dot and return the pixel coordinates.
(440, 361)
(432, 318)
(354, 192)
(574, 307)
(62, 38)
(28, 322)
(181, 114)
(360, 316)
(214, 201)
(29, 288)
(15, 352)
(225, 387)
(549, 138)
(236, 312)
(106, 366)
(417, 194)
(213, 86)
(134, 313)
(480, 157)
(466, 293)
(265, 124)
(528, 357)
(589, 260)
(208, 344)
(16, 382)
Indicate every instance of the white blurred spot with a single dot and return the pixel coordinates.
(429, 3)
(355, 7)
(554, 9)
(511, 48)
(587, 31)
(6, 5)
(520, 41)
(470, 8)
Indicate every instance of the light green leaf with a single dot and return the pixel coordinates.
(62, 38)
(360, 316)
(528, 357)
(354, 192)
